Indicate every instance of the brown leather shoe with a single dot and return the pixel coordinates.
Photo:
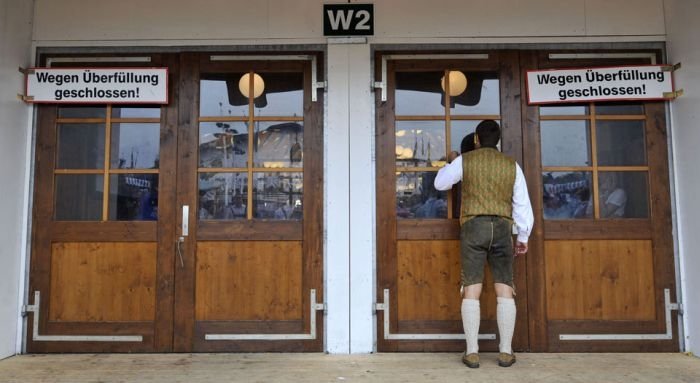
(471, 360)
(506, 360)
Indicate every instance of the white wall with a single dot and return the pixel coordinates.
(188, 21)
(684, 47)
(15, 40)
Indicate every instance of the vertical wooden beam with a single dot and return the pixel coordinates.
(660, 212)
(536, 284)
(187, 192)
(167, 212)
(386, 204)
(312, 243)
(512, 145)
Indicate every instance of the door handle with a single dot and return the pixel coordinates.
(178, 247)
(185, 220)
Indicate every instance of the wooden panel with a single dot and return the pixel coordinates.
(101, 282)
(250, 230)
(429, 282)
(248, 281)
(131, 231)
(427, 229)
(604, 280)
(598, 229)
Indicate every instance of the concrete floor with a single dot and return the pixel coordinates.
(386, 368)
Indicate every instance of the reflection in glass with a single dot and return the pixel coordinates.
(136, 112)
(133, 197)
(283, 95)
(278, 144)
(82, 112)
(459, 129)
(223, 196)
(481, 97)
(223, 144)
(567, 195)
(81, 146)
(79, 197)
(620, 109)
(621, 143)
(419, 94)
(135, 146)
(278, 196)
(564, 110)
(623, 195)
(420, 143)
(219, 96)
(416, 196)
(565, 143)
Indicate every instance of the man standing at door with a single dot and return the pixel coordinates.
(494, 195)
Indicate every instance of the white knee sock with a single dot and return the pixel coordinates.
(471, 317)
(505, 315)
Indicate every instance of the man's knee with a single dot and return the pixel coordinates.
(471, 291)
(503, 290)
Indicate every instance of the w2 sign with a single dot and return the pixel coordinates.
(348, 19)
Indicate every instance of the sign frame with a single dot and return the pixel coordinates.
(352, 22)
(30, 71)
(662, 67)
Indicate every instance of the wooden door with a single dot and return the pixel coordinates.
(102, 260)
(418, 227)
(250, 171)
(114, 272)
(602, 268)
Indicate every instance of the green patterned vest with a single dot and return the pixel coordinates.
(488, 177)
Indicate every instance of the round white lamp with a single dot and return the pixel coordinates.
(458, 82)
(258, 85)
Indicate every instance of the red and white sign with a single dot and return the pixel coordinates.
(642, 82)
(97, 85)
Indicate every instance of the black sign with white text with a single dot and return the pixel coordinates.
(348, 19)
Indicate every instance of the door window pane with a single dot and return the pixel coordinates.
(482, 96)
(419, 94)
(565, 143)
(219, 96)
(79, 197)
(135, 146)
(567, 195)
(623, 195)
(420, 143)
(133, 197)
(223, 145)
(621, 143)
(136, 112)
(283, 95)
(416, 196)
(81, 146)
(82, 112)
(278, 196)
(223, 196)
(278, 145)
(564, 110)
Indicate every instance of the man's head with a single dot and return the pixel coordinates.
(488, 133)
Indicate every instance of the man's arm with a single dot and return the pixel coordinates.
(449, 175)
(522, 210)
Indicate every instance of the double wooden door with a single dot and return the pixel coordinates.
(599, 275)
(193, 226)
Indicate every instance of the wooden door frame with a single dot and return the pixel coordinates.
(309, 231)
(544, 332)
(157, 334)
(390, 230)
